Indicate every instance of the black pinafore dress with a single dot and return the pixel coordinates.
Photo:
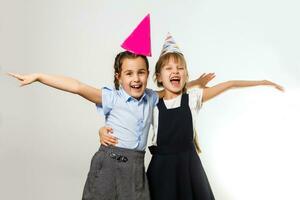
(175, 171)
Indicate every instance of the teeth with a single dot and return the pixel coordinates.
(135, 86)
(175, 79)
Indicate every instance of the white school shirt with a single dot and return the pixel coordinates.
(195, 104)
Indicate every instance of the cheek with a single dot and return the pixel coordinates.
(145, 78)
(184, 74)
(123, 81)
(164, 75)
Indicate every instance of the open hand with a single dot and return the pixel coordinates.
(204, 79)
(24, 79)
(278, 87)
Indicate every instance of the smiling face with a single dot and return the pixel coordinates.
(172, 74)
(133, 76)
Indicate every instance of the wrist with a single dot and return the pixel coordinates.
(264, 82)
(194, 83)
(37, 76)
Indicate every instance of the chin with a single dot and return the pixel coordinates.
(137, 96)
(177, 90)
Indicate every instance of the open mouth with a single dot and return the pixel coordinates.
(137, 86)
(175, 81)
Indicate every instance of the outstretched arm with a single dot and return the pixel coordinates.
(62, 83)
(209, 93)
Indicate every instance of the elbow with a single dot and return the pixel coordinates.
(78, 88)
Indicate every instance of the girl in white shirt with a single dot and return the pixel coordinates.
(175, 170)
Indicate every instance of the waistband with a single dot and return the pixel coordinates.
(129, 153)
(172, 149)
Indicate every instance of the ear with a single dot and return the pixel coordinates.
(117, 76)
(158, 78)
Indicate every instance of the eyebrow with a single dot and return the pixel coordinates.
(133, 70)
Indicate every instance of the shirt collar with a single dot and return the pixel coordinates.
(128, 98)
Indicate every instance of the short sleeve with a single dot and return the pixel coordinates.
(153, 96)
(195, 96)
(108, 99)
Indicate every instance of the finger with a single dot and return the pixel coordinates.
(113, 140)
(23, 84)
(112, 143)
(17, 76)
(108, 128)
(11, 74)
(103, 143)
(102, 131)
(109, 140)
(280, 88)
(202, 75)
(212, 77)
(211, 74)
(107, 135)
(110, 132)
(105, 130)
(207, 79)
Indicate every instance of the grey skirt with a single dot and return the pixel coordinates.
(117, 174)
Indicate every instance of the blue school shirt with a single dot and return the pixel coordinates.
(129, 118)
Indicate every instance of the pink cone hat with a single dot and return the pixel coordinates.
(139, 41)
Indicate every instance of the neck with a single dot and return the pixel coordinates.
(171, 95)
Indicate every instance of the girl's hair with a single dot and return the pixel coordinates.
(196, 143)
(119, 61)
(163, 60)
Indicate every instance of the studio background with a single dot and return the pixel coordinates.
(249, 137)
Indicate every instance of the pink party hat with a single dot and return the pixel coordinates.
(139, 41)
(170, 46)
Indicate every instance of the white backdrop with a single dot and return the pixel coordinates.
(249, 137)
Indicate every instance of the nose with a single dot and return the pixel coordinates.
(136, 78)
(175, 70)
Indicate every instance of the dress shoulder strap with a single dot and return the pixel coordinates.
(184, 100)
